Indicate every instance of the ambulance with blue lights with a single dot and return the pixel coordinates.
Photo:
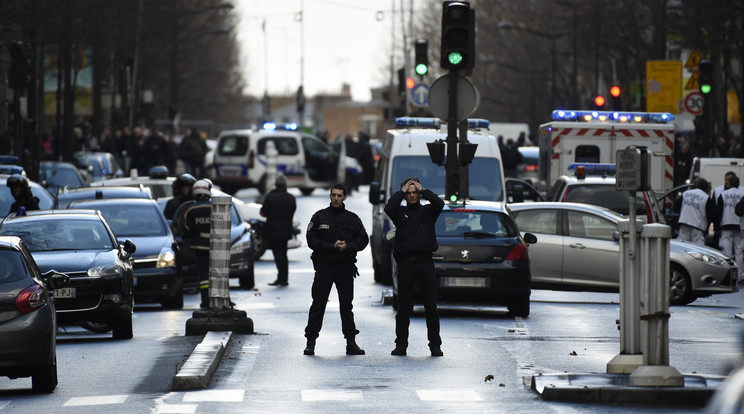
(306, 160)
(595, 136)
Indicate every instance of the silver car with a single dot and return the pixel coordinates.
(578, 249)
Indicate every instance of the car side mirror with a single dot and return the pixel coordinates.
(129, 247)
(530, 238)
(56, 280)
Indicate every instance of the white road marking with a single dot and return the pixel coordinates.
(96, 400)
(175, 409)
(332, 395)
(448, 395)
(4, 404)
(214, 395)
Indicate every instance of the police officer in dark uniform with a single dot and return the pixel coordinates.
(335, 235)
(21, 192)
(197, 225)
(415, 240)
(181, 194)
(279, 207)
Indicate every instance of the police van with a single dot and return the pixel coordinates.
(306, 160)
(404, 154)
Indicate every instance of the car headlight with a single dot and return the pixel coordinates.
(708, 258)
(166, 258)
(106, 272)
(240, 246)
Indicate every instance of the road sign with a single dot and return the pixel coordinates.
(420, 94)
(631, 169)
(694, 59)
(468, 98)
(694, 103)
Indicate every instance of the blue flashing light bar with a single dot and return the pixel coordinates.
(593, 168)
(8, 159)
(605, 116)
(273, 126)
(435, 122)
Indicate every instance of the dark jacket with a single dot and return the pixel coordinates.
(174, 203)
(27, 201)
(198, 224)
(279, 207)
(331, 224)
(414, 223)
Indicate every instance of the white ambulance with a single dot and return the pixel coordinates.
(404, 154)
(595, 136)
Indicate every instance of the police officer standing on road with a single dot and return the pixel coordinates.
(181, 194)
(278, 208)
(415, 240)
(21, 192)
(698, 210)
(197, 227)
(335, 235)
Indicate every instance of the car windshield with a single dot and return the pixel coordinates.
(11, 266)
(474, 223)
(63, 233)
(132, 221)
(484, 173)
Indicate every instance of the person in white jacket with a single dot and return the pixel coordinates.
(731, 241)
(698, 210)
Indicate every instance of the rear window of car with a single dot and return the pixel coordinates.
(133, 221)
(11, 266)
(455, 223)
(283, 145)
(233, 145)
(604, 196)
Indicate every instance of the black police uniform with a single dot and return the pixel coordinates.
(415, 240)
(334, 266)
(279, 207)
(197, 226)
(174, 203)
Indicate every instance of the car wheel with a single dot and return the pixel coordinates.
(306, 191)
(97, 327)
(44, 379)
(175, 302)
(520, 307)
(680, 292)
(123, 327)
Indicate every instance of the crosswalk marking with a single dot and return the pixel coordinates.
(214, 395)
(331, 395)
(3, 404)
(95, 400)
(448, 395)
(176, 409)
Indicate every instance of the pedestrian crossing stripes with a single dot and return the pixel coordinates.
(95, 400)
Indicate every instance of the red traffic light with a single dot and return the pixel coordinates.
(615, 91)
(410, 83)
(599, 100)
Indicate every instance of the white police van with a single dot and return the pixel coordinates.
(404, 154)
(306, 161)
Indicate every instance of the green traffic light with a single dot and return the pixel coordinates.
(705, 88)
(421, 69)
(453, 198)
(454, 58)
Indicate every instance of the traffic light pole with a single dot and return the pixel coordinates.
(452, 167)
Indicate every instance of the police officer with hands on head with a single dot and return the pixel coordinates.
(415, 240)
(197, 226)
(21, 192)
(335, 235)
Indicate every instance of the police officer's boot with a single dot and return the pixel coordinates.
(352, 348)
(310, 348)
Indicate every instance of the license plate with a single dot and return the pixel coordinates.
(230, 171)
(64, 293)
(479, 282)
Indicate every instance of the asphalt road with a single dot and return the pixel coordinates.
(266, 372)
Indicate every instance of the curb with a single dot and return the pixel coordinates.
(198, 370)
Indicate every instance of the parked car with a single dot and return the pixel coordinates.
(56, 175)
(98, 165)
(157, 180)
(481, 256)
(528, 168)
(81, 244)
(67, 196)
(46, 201)
(157, 276)
(578, 250)
(28, 322)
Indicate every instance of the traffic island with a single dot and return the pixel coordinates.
(206, 320)
(198, 370)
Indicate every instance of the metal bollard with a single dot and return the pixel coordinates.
(630, 356)
(219, 253)
(271, 169)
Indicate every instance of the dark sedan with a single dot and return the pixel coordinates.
(68, 195)
(81, 244)
(481, 256)
(28, 325)
(157, 278)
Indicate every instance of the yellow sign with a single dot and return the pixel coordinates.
(732, 102)
(693, 61)
(694, 81)
(663, 85)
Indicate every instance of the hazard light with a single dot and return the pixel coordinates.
(592, 168)
(613, 116)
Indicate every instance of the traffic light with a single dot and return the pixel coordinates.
(410, 83)
(401, 81)
(453, 183)
(617, 103)
(458, 35)
(706, 76)
(599, 101)
(422, 60)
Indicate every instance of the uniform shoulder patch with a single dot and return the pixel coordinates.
(309, 226)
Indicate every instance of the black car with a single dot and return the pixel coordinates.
(28, 324)
(481, 256)
(157, 276)
(68, 195)
(56, 175)
(81, 244)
